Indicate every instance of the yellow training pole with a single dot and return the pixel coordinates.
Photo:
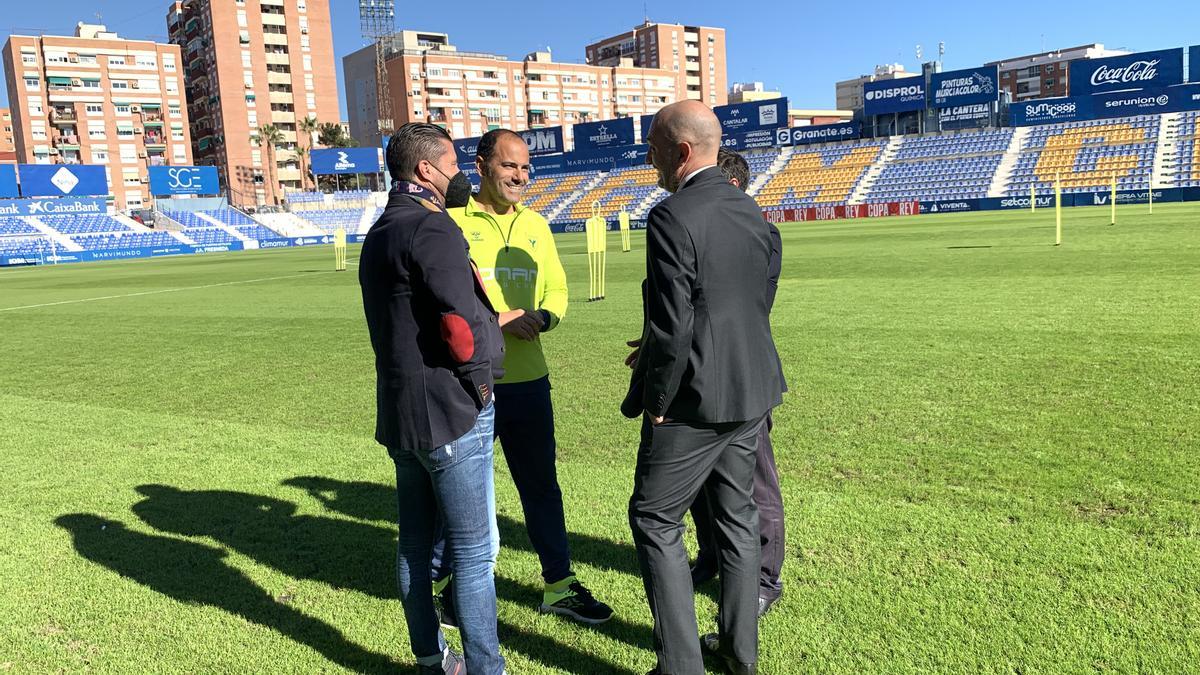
(1150, 193)
(1058, 210)
(1114, 200)
(1033, 197)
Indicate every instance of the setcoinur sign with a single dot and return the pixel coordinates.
(885, 97)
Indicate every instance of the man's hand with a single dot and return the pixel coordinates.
(523, 324)
(631, 360)
(657, 420)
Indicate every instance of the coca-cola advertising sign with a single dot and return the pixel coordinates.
(1144, 70)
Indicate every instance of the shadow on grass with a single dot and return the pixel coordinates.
(335, 551)
(196, 573)
(376, 502)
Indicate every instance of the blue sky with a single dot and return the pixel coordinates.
(798, 48)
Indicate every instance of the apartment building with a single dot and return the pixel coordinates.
(1045, 75)
(470, 93)
(849, 93)
(8, 146)
(695, 55)
(94, 98)
(247, 65)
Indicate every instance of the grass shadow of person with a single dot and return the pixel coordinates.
(335, 551)
(342, 553)
(377, 502)
(195, 573)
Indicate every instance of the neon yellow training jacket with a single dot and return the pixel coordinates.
(521, 270)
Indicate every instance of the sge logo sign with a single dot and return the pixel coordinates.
(186, 178)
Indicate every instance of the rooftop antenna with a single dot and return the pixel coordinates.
(920, 52)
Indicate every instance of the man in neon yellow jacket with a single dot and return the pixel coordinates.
(524, 279)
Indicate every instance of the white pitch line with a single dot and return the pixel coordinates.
(163, 290)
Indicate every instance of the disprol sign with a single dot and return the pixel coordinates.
(1144, 70)
(893, 96)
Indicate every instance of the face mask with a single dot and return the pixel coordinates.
(458, 190)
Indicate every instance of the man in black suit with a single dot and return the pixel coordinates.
(767, 495)
(705, 377)
(438, 350)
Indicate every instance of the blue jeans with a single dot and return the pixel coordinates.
(525, 426)
(450, 488)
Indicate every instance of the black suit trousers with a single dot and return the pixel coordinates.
(675, 461)
(769, 500)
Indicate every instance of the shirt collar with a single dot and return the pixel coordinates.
(473, 207)
(688, 178)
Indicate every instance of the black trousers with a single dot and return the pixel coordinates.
(769, 500)
(675, 461)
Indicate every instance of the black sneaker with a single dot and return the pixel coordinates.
(574, 601)
(452, 664)
(443, 604)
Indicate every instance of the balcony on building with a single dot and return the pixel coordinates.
(63, 115)
(66, 141)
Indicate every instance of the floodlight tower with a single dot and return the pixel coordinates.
(377, 20)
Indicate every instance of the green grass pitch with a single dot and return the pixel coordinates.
(989, 456)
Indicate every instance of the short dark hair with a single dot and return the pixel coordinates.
(734, 167)
(487, 144)
(412, 143)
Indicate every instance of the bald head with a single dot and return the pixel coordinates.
(684, 137)
(690, 122)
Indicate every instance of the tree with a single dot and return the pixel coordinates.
(332, 135)
(270, 136)
(307, 126)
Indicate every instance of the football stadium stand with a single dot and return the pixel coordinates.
(827, 175)
(1141, 152)
(1087, 155)
(1187, 150)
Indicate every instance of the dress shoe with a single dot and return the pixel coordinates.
(765, 605)
(711, 645)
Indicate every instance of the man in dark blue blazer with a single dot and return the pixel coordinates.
(438, 350)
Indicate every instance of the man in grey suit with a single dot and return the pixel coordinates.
(705, 376)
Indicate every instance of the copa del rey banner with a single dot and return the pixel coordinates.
(840, 211)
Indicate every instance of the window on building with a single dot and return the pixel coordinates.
(122, 109)
(93, 109)
(32, 84)
(99, 156)
(119, 84)
(1049, 84)
(1033, 71)
(30, 59)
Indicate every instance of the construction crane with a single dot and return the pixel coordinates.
(377, 19)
